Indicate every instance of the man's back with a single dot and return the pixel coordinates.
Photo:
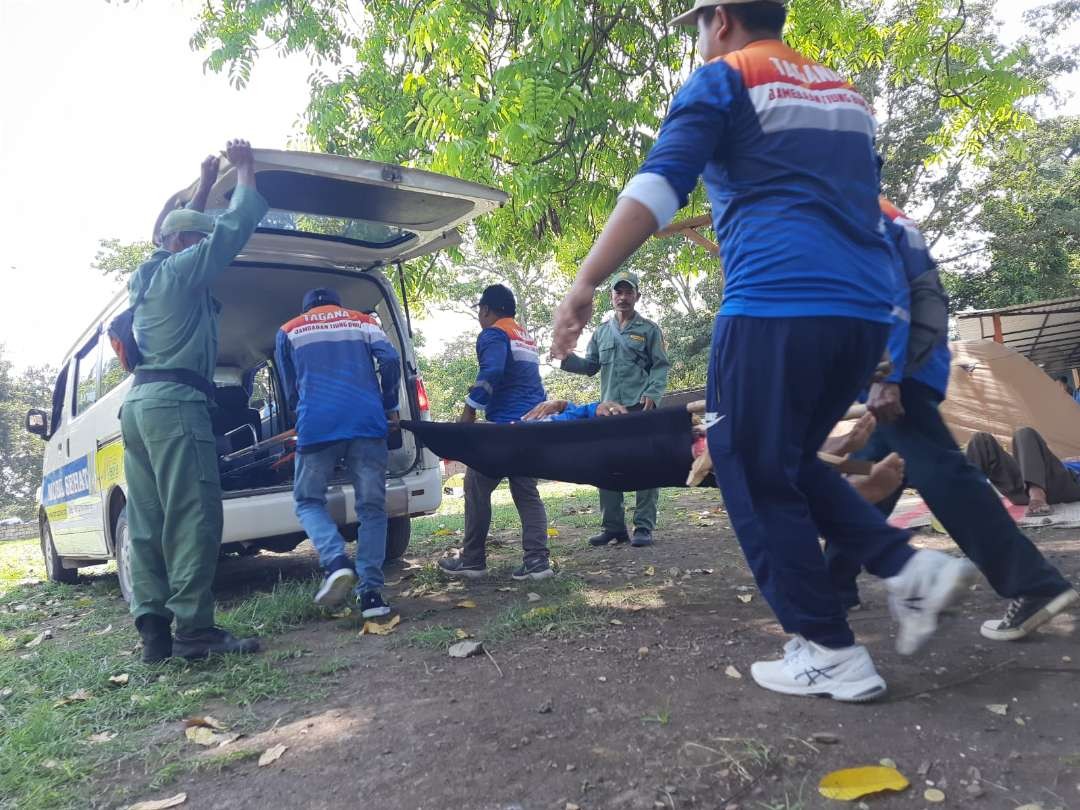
(509, 355)
(789, 165)
(327, 361)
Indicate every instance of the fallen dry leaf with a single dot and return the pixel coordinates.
(344, 613)
(376, 629)
(998, 708)
(615, 622)
(102, 631)
(44, 635)
(201, 735)
(532, 597)
(461, 635)
(206, 721)
(272, 754)
(854, 783)
(229, 738)
(731, 672)
(745, 598)
(506, 590)
(466, 603)
(642, 652)
(442, 533)
(101, 737)
(465, 649)
(119, 680)
(553, 532)
(50, 764)
(159, 804)
(75, 697)
(650, 571)
(934, 795)
(6, 692)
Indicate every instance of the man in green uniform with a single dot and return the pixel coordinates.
(628, 351)
(170, 458)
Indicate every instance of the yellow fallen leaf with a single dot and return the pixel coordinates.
(745, 598)
(731, 672)
(650, 571)
(101, 737)
(553, 532)
(343, 614)
(466, 603)
(934, 795)
(159, 804)
(442, 533)
(44, 635)
(854, 783)
(206, 721)
(201, 735)
(272, 754)
(75, 697)
(119, 680)
(376, 629)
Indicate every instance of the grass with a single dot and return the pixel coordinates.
(210, 765)
(45, 754)
(565, 612)
(434, 637)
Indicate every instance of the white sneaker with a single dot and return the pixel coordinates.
(811, 670)
(336, 588)
(927, 585)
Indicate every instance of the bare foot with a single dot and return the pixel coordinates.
(853, 441)
(884, 479)
(1037, 505)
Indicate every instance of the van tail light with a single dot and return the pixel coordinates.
(421, 396)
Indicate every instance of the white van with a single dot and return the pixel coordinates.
(333, 222)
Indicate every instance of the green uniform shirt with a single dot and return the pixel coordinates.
(176, 325)
(632, 361)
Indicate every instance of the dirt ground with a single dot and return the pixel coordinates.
(649, 704)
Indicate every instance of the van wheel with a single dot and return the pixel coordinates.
(123, 554)
(398, 531)
(54, 567)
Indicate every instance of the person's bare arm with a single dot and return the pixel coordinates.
(207, 177)
(242, 158)
(629, 226)
(545, 409)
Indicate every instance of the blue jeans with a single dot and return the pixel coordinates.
(778, 386)
(365, 462)
(959, 496)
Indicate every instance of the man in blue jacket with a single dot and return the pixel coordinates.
(507, 387)
(326, 358)
(909, 422)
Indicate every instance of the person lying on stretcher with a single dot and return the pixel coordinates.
(884, 477)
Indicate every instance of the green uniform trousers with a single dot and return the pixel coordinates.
(174, 509)
(612, 517)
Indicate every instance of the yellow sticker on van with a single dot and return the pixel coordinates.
(109, 463)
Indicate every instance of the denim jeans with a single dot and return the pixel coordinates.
(365, 462)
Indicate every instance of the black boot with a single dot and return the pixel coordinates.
(157, 640)
(606, 537)
(212, 641)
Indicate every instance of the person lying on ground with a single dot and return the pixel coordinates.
(906, 405)
(1031, 476)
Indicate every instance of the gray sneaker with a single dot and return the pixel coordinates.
(537, 569)
(1027, 613)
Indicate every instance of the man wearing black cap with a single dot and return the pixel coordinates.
(507, 387)
(326, 358)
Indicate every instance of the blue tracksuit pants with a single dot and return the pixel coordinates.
(778, 385)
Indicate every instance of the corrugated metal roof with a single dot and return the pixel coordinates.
(1046, 332)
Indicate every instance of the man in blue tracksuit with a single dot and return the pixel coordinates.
(507, 387)
(327, 360)
(786, 149)
(909, 423)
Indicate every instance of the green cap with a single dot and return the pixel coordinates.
(185, 219)
(630, 278)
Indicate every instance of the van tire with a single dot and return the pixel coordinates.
(122, 540)
(54, 566)
(398, 532)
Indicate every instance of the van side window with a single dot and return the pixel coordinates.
(87, 368)
(112, 373)
(262, 387)
(59, 392)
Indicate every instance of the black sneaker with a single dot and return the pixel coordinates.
(1027, 613)
(642, 537)
(339, 583)
(372, 605)
(457, 567)
(212, 641)
(156, 635)
(536, 569)
(606, 537)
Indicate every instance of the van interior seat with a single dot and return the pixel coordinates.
(233, 410)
